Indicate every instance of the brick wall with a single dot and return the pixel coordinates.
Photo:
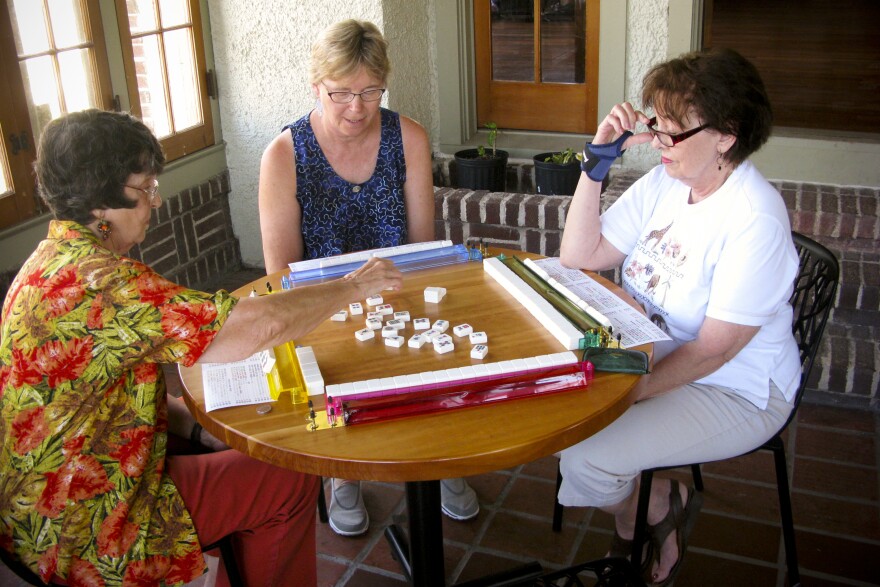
(842, 218)
(190, 240)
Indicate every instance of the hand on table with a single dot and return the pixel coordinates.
(376, 275)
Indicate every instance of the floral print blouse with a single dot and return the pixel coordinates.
(83, 415)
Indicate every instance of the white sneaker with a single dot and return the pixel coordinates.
(458, 500)
(347, 514)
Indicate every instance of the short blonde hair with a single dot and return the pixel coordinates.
(344, 47)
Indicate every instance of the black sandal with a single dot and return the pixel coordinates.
(622, 548)
(678, 519)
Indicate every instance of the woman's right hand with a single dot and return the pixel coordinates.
(376, 275)
(623, 117)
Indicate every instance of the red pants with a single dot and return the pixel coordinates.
(270, 510)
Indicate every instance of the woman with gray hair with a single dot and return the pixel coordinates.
(349, 176)
(90, 491)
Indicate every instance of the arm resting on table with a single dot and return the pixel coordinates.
(259, 323)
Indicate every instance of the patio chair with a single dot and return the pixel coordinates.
(815, 288)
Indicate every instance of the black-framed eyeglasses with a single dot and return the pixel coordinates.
(346, 97)
(152, 191)
(668, 139)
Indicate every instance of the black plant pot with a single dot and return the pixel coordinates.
(481, 173)
(553, 179)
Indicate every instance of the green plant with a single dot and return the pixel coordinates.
(491, 138)
(564, 157)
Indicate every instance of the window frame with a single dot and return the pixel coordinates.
(178, 144)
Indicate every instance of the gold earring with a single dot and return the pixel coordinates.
(719, 161)
(104, 228)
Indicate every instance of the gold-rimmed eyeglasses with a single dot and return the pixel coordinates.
(668, 139)
(346, 97)
(152, 191)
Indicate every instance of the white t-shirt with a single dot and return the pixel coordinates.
(730, 257)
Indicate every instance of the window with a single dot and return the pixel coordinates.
(818, 59)
(531, 57)
(165, 71)
(54, 60)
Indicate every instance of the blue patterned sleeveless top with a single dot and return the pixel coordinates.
(341, 217)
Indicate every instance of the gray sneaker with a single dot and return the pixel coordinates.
(348, 516)
(458, 500)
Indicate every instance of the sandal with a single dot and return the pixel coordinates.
(622, 548)
(679, 520)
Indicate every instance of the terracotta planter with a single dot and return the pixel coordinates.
(481, 173)
(553, 179)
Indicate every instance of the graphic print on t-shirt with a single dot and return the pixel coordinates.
(654, 267)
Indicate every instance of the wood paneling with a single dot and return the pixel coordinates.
(820, 60)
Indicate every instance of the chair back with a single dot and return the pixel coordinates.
(815, 288)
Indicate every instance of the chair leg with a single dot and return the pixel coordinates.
(698, 477)
(791, 559)
(640, 533)
(322, 503)
(557, 507)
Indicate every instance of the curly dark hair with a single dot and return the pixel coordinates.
(85, 158)
(722, 87)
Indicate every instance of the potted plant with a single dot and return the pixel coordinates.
(557, 173)
(483, 168)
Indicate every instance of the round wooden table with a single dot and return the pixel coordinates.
(422, 449)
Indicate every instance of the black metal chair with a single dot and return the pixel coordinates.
(224, 544)
(815, 288)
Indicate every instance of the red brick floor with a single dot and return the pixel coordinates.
(736, 541)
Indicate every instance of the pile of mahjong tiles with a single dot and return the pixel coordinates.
(425, 332)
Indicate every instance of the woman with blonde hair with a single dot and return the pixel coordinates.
(349, 176)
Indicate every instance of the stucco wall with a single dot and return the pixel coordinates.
(647, 36)
(261, 53)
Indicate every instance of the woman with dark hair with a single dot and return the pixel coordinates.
(704, 244)
(88, 493)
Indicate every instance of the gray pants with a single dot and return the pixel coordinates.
(693, 424)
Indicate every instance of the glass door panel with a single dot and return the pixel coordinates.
(68, 28)
(563, 41)
(185, 106)
(513, 40)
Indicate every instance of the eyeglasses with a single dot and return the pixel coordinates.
(346, 97)
(668, 139)
(152, 191)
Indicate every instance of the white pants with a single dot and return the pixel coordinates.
(693, 424)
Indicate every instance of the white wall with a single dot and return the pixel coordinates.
(261, 52)
(647, 37)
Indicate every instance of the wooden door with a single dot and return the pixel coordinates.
(537, 64)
